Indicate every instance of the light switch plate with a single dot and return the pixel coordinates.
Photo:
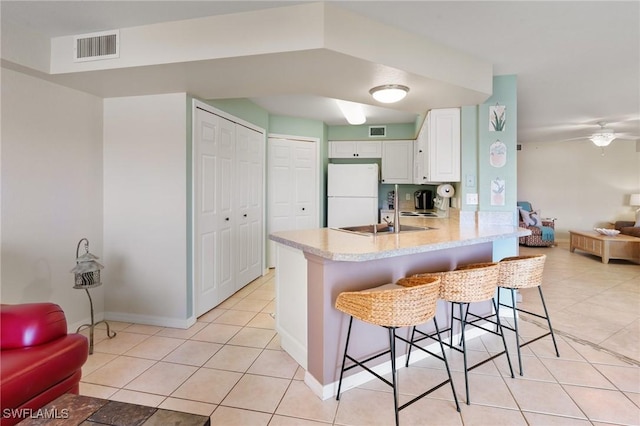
(470, 181)
(472, 199)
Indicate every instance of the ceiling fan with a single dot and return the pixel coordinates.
(604, 136)
(601, 137)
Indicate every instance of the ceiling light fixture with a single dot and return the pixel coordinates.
(352, 111)
(389, 93)
(604, 136)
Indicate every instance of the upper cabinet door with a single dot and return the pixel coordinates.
(444, 145)
(397, 161)
(437, 149)
(369, 149)
(355, 149)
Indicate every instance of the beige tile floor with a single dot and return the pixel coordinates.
(229, 364)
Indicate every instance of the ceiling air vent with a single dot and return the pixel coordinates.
(377, 131)
(94, 46)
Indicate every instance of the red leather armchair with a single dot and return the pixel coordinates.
(39, 361)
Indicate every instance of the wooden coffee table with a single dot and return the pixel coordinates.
(618, 247)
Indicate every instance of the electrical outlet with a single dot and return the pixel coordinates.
(472, 199)
(407, 197)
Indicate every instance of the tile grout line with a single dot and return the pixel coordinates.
(595, 346)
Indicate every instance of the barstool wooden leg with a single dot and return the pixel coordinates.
(344, 357)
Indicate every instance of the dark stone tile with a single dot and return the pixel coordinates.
(122, 414)
(67, 409)
(176, 418)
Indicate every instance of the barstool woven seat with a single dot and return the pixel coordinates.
(468, 284)
(520, 272)
(393, 306)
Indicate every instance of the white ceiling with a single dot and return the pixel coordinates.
(577, 62)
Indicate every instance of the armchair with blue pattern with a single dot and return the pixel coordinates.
(542, 230)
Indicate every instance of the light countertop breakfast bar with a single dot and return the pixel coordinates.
(314, 266)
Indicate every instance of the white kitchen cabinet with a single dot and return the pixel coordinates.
(228, 207)
(397, 161)
(355, 149)
(437, 148)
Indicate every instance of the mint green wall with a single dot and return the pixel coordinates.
(476, 139)
(504, 93)
(468, 155)
(244, 109)
(394, 131)
(297, 126)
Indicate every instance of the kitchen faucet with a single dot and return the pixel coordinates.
(396, 211)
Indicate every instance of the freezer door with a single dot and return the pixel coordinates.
(344, 211)
(352, 180)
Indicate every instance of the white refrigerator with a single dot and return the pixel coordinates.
(352, 195)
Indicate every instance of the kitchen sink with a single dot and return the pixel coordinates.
(382, 228)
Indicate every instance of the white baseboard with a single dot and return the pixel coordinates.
(149, 320)
(293, 347)
(355, 380)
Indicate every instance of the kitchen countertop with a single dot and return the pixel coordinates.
(340, 245)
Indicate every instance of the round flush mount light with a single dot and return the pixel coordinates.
(389, 93)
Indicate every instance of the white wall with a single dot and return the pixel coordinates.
(51, 191)
(575, 183)
(145, 209)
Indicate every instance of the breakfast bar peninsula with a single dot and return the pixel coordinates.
(314, 266)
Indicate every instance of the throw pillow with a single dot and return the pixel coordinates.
(530, 218)
(535, 219)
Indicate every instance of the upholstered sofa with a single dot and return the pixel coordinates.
(39, 361)
(627, 228)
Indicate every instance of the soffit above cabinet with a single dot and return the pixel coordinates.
(313, 48)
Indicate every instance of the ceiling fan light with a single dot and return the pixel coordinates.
(389, 93)
(603, 137)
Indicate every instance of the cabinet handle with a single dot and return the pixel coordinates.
(245, 215)
(303, 209)
(226, 218)
(383, 180)
(420, 151)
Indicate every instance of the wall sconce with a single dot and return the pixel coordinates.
(389, 93)
(87, 275)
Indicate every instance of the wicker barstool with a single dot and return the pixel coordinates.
(520, 272)
(461, 287)
(393, 306)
